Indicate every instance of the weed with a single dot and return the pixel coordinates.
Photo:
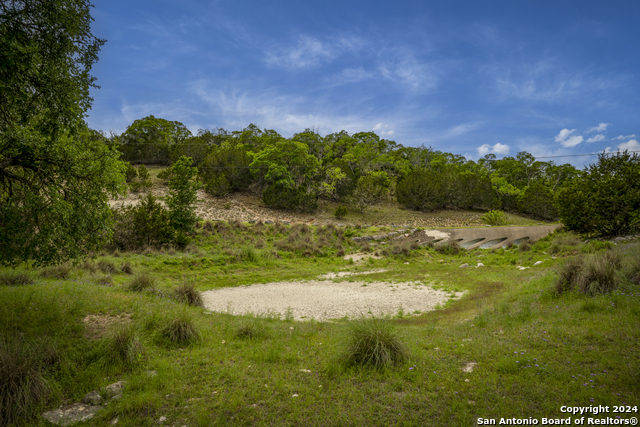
(88, 266)
(141, 282)
(597, 273)
(107, 267)
(448, 248)
(126, 268)
(105, 280)
(15, 279)
(180, 330)
(372, 342)
(22, 380)
(58, 272)
(123, 346)
(249, 330)
(524, 246)
(188, 294)
(250, 255)
(340, 252)
(208, 226)
(568, 274)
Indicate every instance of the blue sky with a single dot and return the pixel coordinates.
(467, 77)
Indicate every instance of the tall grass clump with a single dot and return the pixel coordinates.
(58, 272)
(123, 346)
(372, 342)
(23, 386)
(249, 329)
(179, 330)
(599, 273)
(187, 293)
(448, 248)
(141, 282)
(106, 266)
(15, 279)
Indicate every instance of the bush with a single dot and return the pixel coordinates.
(126, 268)
(141, 282)
(165, 175)
(188, 294)
(292, 199)
(180, 330)
(341, 212)
(23, 385)
(494, 218)
(15, 279)
(450, 247)
(218, 186)
(131, 173)
(58, 272)
(605, 199)
(146, 224)
(183, 195)
(372, 342)
(370, 189)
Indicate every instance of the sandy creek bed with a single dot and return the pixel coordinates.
(325, 299)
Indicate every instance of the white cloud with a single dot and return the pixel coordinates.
(600, 128)
(566, 140)
(387, 132)
(596, 138)
(496, 149)
(623, 137)
(381, 127)
(409, 71)
(631, 145)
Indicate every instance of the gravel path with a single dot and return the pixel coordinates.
(324, 299)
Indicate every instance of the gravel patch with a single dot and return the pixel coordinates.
(324, 299)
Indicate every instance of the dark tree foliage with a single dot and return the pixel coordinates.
(605, 199)
(152, 140)
(537, 200)
(421, 190)
(147, 224)
(56, 175)
(289, 199)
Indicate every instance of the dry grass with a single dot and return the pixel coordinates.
(188, 294)
(141, 282)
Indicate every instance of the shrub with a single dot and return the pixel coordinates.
(632, 268)
(293, 199)
(165, 175)
(341, 212)
(15, 279)
(131, 173)
(208, 226)
(23, 385)
(537, 200)
(218, 186)
(180, 330)
(450, 247)
(605, 199)
(569, 273)
(146, 224)
(494, 218)
(145, 177)
(524, 246)
(141, 282)
(370, 189)
(188, 294)
(107, 267)
(59, 272)
(372, 342)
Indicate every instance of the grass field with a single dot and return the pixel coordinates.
(512, 346)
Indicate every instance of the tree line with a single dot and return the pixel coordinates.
(359, 169)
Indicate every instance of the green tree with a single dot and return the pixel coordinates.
(421, 190)
(182, 197)
(605, 199)
(56, 175)
(151, 140)
(370, 189)
(147, 224)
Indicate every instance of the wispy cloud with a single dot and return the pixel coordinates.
(382, 128)
(623, 137)
(310, 52)
(596, 138)
(600, 128)
(495, 149)
(409, 71)
(565, 138)
(461, 129)
(350, 75)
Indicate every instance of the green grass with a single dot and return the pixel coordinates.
(531, 349)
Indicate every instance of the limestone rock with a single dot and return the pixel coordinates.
(465, 265)
(73, 414)
(114, 389)
(93, 398)
(537, 263)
